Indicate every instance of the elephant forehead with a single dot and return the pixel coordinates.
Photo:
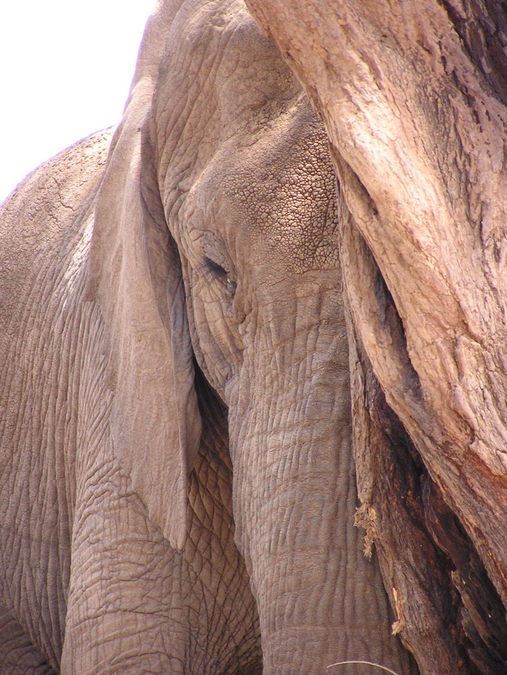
(220, 79)
(221, 49)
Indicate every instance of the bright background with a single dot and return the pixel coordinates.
(65, 72)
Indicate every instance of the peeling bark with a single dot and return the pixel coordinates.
(412, 95)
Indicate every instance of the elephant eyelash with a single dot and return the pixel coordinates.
(221, 274)
(216, 270)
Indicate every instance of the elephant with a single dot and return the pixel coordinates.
(177, 488)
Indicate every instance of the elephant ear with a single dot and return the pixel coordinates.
(135, 277)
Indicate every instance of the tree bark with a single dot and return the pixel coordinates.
(413, 95)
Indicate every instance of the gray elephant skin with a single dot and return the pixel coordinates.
(177, 488)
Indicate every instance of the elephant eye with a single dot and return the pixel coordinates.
(221, 274)
(215, 269)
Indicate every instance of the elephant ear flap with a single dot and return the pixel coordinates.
(136, 279)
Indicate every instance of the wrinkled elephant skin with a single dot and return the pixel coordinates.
(177, 485)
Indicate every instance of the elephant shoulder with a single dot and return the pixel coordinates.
(51, 196)
(45, 217)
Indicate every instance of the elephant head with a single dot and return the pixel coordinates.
(215, 248)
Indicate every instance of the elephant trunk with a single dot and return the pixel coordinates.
(294, 499)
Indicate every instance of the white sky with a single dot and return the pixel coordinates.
(65, 72)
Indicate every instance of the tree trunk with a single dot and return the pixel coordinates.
(412, 94)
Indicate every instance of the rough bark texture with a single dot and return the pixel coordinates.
(412, 95)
